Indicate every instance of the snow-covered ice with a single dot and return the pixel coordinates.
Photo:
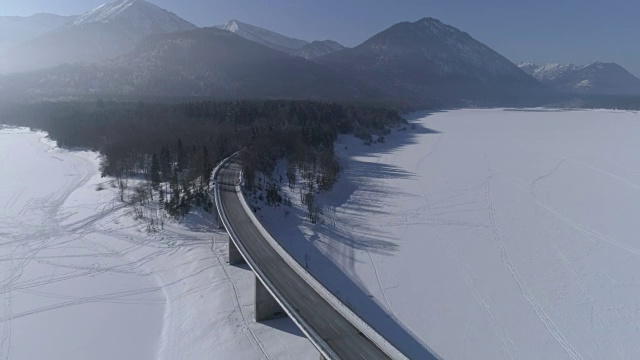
(501, 234)
(80, 279)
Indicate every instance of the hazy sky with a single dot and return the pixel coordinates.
(578, 31)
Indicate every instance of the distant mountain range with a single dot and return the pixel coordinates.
(595, 79)
(134, 48)
(420, 64)
(280, 42)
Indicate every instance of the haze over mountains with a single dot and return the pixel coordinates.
(206, 62)
(15, 30)
(134, 48)
(100, 34)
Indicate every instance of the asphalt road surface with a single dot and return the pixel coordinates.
(341, 336)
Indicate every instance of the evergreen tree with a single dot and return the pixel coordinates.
(206, 168)
(174, 186)
(155, 172)
(181, 157)
(165, 163)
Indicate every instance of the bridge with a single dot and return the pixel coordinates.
(284, 288)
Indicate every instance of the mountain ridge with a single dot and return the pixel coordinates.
(277, 41)
(264, 36)
(205, 62)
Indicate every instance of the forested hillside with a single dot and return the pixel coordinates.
(177, 145)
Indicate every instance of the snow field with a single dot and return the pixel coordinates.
(501, 234)
(80, 279)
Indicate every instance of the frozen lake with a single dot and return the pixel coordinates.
(80, 279)
(500, 235)
(53, 257)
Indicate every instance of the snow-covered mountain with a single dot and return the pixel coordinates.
(264, 37)
(318, 48)
(268, 38)
(427, 60)
(528, 67)
(597, 78)
(137, 18)
(99, 34)
(549, 72)
(15, 30)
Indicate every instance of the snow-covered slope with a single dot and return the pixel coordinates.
(551, 72)
(597, 78)
(600, 78)
(264, 37)
(499, 235)
(528, 67)
(138, 18)
(16, 30)
(100, 34)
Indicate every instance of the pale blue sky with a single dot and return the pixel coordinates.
(541, 31)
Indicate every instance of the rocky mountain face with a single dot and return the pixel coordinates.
(16, 30)
(429, 62)
(100, 34)
(205, 62)
(595, 79)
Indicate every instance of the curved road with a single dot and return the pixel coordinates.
(342, 338)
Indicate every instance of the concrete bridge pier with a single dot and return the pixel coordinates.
(235, 258)
(266, 306)
(218, 219)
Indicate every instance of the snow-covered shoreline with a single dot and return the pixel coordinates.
(81, 279)
(499, 234)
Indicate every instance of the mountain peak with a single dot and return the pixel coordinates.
(105, 12)
(429, 20)
(429, 59)
(136, 14)
(234, 25)
(433, 26)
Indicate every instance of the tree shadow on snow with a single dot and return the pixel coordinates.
(358, 235)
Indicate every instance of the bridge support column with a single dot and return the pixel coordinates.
(219, 221)
(234, 254)
(266, 306)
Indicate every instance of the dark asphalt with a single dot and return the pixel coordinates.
(341, 336)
